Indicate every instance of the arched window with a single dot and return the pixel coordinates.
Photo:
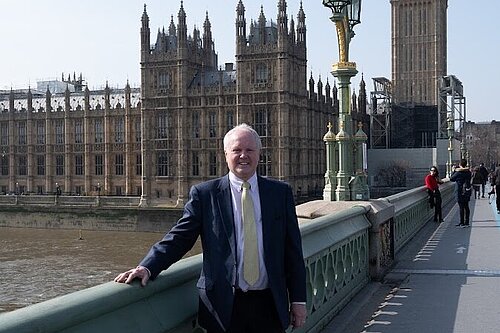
(261, 73)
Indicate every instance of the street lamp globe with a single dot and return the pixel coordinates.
(337, 7)
(354, 12)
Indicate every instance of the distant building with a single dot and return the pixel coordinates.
(481, 141)
(158, 141)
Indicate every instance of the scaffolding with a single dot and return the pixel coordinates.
(380, 113)
(451, 107)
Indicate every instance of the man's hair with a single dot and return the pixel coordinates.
(242, 127)
(463, 163)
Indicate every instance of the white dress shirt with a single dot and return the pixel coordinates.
(262, 282)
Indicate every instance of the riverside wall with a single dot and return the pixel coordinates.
(90, 218)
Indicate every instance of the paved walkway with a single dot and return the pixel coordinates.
(446, 280)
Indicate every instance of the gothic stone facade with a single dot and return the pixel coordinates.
(159, 141)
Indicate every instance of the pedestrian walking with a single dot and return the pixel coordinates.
(484, 173)
(432, 182)
(461, 175)
(496, 182)
(477, 182)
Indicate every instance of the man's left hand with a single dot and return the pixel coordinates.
(298, 314)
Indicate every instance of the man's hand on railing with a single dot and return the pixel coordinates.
(140, 272)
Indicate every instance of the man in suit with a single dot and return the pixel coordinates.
(239, 293)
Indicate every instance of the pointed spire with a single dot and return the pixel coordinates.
(240, 27)
(262, 26)
(362, 99)
(320, 88)
(145, 35)
(292, 30)
(182, 27)
(145, 17)
(206, 24)
(171, 28)
(354, 102)
(240, 9)
(182, 13)
(282, 18)
(327, 89)
(311, 86)
(207, 29)
(362, 84)
(301, 26)
(262, 17)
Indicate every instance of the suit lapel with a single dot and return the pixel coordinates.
(266, 208)
(224, 201)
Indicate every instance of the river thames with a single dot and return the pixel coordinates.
(40, 264)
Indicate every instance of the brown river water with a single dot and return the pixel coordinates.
(40, 264)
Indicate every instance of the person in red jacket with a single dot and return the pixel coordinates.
(432, 182)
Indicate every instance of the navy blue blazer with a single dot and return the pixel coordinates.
(209, 214)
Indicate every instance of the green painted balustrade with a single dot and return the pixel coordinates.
(341, 250)
(412, 211)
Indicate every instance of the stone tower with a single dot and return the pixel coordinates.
(189, 103)
(271, 87)
(418, 50)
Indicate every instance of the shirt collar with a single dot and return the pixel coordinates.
(237, 182)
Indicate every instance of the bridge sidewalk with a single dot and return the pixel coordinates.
(446, 280)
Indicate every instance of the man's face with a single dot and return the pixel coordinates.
(242, 154)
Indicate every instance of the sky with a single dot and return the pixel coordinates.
(40, 40)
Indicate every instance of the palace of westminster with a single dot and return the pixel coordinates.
(158, 140)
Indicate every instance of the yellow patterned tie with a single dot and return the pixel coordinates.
(250, 252)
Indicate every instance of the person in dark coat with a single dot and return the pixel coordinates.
(462, 177)
(477, 181)
(247, 284)
(484, 173)
(495, 181)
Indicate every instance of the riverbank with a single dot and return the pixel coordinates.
(89, 218)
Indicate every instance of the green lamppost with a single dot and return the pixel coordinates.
(451, 132)
(345, 15)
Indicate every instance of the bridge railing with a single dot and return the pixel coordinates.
(344, 248)
(412, 211)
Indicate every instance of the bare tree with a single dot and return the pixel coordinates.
(393, 174)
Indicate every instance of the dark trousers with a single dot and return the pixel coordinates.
(497, 190)
(438, 214)
(464, 212)
(477, 191)
(254, 312)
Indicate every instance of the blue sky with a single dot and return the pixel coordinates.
(100, 39)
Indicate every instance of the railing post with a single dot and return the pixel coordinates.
(381, 252)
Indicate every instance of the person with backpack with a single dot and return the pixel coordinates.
(462, 177)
